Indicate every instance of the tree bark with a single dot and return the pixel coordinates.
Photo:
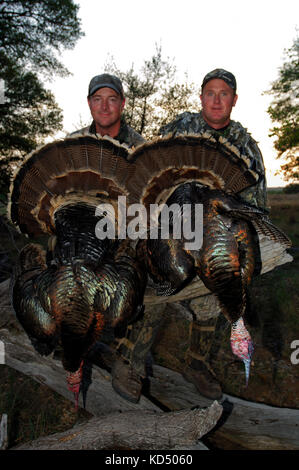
(243, 424)
(3, 432)
(134, 430)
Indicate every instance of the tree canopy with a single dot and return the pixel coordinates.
(284, 112)
(32, 31)
(32, 35)
(153, 96)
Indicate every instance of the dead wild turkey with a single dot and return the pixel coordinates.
(81, 287)
(202, 170)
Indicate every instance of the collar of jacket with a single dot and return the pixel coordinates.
(122, 134)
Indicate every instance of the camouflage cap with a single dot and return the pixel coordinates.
(103, 81)
(228, 77)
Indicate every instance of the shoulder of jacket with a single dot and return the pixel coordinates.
(179, 123)
(135, 133)
(82, 131)
(241, 137)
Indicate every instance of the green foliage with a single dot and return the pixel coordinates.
(153, 97)
(291, 188)
(30, 32)
(31, 35)
(284, 111)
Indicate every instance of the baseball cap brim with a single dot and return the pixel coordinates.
(104, 85)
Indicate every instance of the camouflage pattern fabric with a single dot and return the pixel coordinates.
(140, 337)
(201, 336)
(194, 123)
(126, 134)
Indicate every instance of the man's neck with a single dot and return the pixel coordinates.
(111, 131)
(216, 127)
(219, 129)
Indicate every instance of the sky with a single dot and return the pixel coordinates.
(248, 38)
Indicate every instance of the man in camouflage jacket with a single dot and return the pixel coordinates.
(215, 119)
(218, 98)
(106, 102)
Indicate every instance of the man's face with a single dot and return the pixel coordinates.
(106, 107)
(217, 100)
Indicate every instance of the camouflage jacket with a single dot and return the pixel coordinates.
(126, 134)
(193, 123)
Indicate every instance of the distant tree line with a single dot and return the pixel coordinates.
(284, 113)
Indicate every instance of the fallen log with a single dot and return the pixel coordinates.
(243, 425)
(101, 398)
(3, 432)
(134, 430)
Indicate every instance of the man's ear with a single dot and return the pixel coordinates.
(123, 104)
(235, 99)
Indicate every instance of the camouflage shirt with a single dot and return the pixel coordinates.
(193, 123)
(126, 134)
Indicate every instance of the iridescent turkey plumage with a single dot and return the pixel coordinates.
(192, 170)
(81, 288)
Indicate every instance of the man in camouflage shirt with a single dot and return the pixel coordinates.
(218, 98)
(106, 101)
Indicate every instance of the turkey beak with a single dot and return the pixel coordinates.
(247, 369)
(247, 360)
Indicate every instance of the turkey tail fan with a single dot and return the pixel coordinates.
(263, 226)
(81, 168)
(164, 164)
(267, 229)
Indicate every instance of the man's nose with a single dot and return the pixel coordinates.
(216, 98)
(104, 105)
